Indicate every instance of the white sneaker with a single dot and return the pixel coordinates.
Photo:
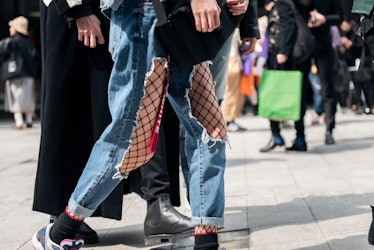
(233, 127)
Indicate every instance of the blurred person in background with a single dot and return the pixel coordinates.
(19, 60)
(320, 16)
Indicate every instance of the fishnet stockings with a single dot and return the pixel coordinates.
(204, 103)
(138, 153)
(205, 229)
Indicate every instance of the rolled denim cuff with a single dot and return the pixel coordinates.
(212, 221)
(78, 210)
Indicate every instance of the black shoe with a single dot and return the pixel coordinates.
(164, 224)
(298, 145)
(371, 230)
(329, 140)
(88, 234)
(273, 143)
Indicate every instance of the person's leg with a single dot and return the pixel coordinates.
(133, 102)
(205, 138)
(317, 96)
(368, 90)
(276, 139)
(163, 223)
(325, 64)
(29, 118)
(18, 120)
(300, 142)
(232, 104)
(14, 93)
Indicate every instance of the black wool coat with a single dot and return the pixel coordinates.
(74, 112)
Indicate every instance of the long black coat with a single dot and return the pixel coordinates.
(281, 32)
(74, 112)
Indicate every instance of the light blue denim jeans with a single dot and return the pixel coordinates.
(134, 47)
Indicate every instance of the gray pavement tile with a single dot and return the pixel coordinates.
(281, 200)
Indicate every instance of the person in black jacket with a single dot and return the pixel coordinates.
(19, 58)
(321, 15)
(281, 40)
(75, 112)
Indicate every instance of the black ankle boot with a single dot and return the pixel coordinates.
(298, 145)
(371, 230)
(164, 224)
(275, 141)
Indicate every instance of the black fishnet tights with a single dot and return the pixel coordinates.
(138, 153)
(205, 229)
(204, 106)
(204, 103)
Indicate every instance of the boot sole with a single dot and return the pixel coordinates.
(166, 238)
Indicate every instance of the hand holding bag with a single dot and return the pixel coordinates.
(185, 45)
(280, 94)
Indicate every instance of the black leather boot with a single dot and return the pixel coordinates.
(298, 145)
(275, 141)
(164, 224)
(371, 230)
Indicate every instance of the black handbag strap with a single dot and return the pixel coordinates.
(160, 12)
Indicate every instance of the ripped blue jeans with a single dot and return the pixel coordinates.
(135, 93)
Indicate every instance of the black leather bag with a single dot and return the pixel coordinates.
(11, 67)
(305, 42)
(185, 45)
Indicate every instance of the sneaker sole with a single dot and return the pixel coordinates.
(36, 244)
(166, 238)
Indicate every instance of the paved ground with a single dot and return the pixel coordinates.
(314, 200)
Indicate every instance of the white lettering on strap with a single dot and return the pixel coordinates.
(73, 3)
(47, 2)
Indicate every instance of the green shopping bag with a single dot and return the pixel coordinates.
(280, 94)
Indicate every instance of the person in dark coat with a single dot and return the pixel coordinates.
(74, 113)
(282, 30)
(19, 60)
(321, 15)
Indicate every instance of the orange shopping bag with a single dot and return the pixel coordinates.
(247, 81)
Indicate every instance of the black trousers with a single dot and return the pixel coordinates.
(325, 61)
(161, 174)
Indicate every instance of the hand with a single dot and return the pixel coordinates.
(281, 58)
(319, 19)
(346, 42)
(248, 45)
(206, 14)
(89, 31)
(237, 7)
